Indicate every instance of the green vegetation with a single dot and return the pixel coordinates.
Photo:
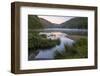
(35, 41)
(43, 36)
(77, 22)
(34, 22)
(82, 47)
(78, 50)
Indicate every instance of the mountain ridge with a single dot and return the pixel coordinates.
(77, 22)
(34, 22)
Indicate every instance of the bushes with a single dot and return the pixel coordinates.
(82, 47)
(78, 50)
(36, 41)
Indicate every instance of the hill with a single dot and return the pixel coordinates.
(34, 22)
(77, 22)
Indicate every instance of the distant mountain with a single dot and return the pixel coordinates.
(34, 22)
(48, 24)
(77, 22)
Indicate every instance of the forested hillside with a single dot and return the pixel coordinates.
(77, 22)
(34, 22)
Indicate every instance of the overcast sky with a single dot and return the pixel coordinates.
(56, 19)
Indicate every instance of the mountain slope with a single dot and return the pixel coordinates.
(34, 22)
(77, 22)
(48, 24)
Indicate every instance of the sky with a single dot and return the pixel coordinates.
(56, 19)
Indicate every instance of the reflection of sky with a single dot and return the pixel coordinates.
(56, 19)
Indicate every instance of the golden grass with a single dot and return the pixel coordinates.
(76, 37)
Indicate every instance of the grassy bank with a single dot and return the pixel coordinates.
(78, 50)
(35, 41)
(77, 37)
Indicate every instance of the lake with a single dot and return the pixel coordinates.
(64, 30)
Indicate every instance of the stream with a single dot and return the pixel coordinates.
(50, 53)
